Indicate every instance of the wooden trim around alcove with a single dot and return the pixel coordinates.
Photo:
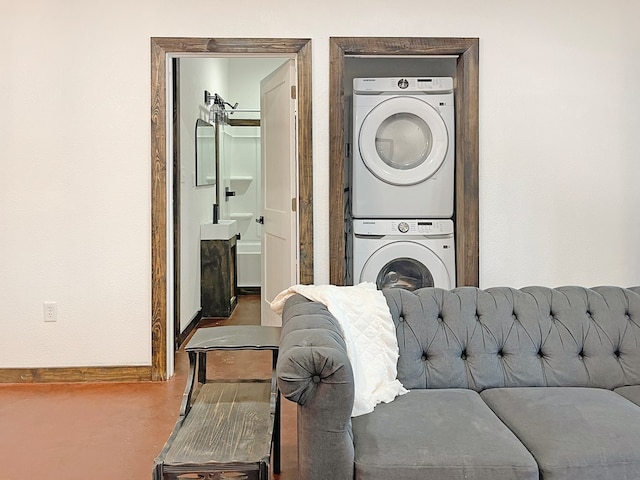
(467, 141)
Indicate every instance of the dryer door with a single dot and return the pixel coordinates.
(403, 140)
(407, 265)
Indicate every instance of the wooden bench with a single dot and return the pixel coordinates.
(226, 430)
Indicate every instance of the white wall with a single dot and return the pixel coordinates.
(558, 149)
(245, 75)
(196, 204)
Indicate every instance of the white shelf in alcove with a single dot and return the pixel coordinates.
(241, 178)
(240, 216)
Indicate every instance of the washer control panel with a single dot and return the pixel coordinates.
(402, 227)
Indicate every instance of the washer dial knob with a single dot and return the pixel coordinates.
(403, 227)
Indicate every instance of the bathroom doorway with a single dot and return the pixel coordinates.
(225, 94)
(165, 221)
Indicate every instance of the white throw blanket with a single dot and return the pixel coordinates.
(369, 333)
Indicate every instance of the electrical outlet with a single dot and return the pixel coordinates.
(50, 312)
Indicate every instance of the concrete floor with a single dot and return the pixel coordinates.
(107, 431)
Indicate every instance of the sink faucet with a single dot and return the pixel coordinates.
(216, 213)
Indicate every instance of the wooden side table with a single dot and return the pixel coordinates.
(228, 429)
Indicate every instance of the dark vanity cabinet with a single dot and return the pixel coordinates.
(218, 279)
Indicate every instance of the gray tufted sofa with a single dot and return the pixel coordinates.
(535, 383)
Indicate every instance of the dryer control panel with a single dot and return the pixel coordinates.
(403, 85)
(402, 227)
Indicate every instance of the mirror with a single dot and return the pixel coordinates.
(206, 153)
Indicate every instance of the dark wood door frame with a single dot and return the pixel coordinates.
(467, 139)
(162, 49)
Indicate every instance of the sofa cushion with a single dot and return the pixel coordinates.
(631, 393)
(573, 433)
(438, 434)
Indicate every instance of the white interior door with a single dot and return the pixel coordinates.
(279, 187)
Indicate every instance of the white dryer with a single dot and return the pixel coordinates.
(404, 253)
(403, 147)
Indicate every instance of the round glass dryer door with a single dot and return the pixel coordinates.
(403, 141)
(406, 265)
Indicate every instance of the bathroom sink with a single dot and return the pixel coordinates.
(223, 230)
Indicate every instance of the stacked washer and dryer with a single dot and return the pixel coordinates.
(403, 182)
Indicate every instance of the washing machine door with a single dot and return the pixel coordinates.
(404, 264)
(403, 140)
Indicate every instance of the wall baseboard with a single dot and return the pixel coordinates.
(76, 374)
(188, 329)
(248, 290)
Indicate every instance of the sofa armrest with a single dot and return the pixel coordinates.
(314, 371)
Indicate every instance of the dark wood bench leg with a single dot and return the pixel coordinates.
(264, 471)
(276, 421)
(276, 437)
(202, 367)
(188, 390)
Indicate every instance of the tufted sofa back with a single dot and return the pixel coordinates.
(504, 337)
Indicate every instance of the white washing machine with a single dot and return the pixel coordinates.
(403, 147)
(404, 253)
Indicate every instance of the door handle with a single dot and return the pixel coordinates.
(260, 220)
